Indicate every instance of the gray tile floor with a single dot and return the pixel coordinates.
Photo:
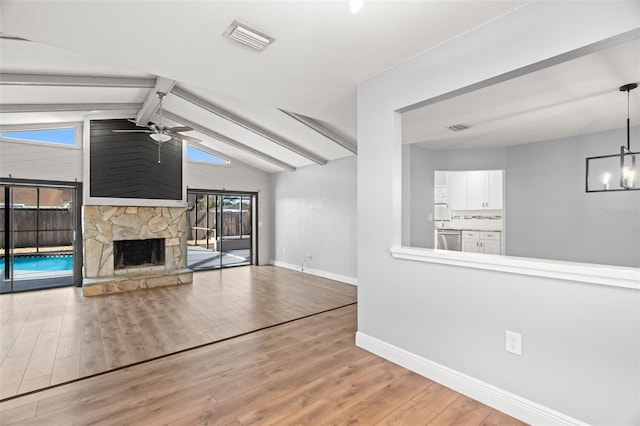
(199, 258)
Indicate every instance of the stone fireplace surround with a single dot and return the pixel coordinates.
(104, 224)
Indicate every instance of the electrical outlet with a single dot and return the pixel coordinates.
(513, 342)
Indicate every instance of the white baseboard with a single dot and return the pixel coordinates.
(316, 272)
(513, 405)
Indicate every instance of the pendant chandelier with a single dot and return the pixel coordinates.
(600, 170)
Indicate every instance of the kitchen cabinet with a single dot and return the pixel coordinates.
(481, 242)
(484, 190)
(457, 190)
(475, 190)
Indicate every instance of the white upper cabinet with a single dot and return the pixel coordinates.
(484, 190)
(457, 190)
(475, 190)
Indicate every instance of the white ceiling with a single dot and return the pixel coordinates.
(579, 96)
(321, 52)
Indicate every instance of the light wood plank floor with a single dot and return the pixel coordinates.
(53, 336)
(304, 372)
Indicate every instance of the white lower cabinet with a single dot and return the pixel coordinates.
(481, 242)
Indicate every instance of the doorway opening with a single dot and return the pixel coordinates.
(38, 245)
(221, 229)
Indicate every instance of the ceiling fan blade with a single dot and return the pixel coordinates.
(180, 129)
(189, 138)
(130, 131)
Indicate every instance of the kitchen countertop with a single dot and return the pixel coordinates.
(469, 229)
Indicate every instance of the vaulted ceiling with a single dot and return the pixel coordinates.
(321, 52)
(294, 103)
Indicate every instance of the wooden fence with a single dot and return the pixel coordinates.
(230, 221)
(48, 227)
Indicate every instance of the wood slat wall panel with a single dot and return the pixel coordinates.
(132, 156)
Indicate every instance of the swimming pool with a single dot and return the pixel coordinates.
(41, 263)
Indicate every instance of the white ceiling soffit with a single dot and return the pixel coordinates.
(278, 123)
(212, 135)
(319, 82)
(192, 112)
(325, 130)
(247, 124)
(229, 151)
(579, 96)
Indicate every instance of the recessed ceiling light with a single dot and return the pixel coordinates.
(355, 5)
(458, 127)
(246, 35)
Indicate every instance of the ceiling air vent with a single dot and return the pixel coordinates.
(458, 127)
(248, 36)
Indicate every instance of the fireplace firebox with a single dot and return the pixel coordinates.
(138, 253)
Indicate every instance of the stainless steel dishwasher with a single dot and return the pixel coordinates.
(449, 239)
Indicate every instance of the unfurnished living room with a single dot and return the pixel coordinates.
(381, 212)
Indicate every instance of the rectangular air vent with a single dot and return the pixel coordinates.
(248, 36)
(458, 127)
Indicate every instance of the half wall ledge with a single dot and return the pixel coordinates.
(108, 285)
(616, 276)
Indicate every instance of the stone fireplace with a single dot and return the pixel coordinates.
(130, 248)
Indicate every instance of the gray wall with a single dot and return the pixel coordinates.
(581, 342)
(315, 213)
(548, 213)
(418, 167)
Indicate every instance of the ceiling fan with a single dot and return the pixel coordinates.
(159, 132)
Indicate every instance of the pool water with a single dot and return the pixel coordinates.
(40, 263)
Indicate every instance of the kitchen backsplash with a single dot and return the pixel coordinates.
(489, 220)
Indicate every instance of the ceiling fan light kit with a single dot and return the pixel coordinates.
(160, 137)
(159, 132)
(600, 170)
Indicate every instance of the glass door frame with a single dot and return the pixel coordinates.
(253, 252)
(77, 220)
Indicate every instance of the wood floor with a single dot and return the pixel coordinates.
(54, 336)
(304, 372)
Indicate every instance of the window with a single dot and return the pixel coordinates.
(62, 136)
(195, 154)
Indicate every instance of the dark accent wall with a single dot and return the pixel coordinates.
(125, 165)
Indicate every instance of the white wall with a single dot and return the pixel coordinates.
(315, 213)
(581, 342)
(32, 161)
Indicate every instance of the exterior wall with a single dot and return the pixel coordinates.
(314, 213)
(31, 161)
(581, 342)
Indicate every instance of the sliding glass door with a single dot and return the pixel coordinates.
(37, 236)
(221, 229)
